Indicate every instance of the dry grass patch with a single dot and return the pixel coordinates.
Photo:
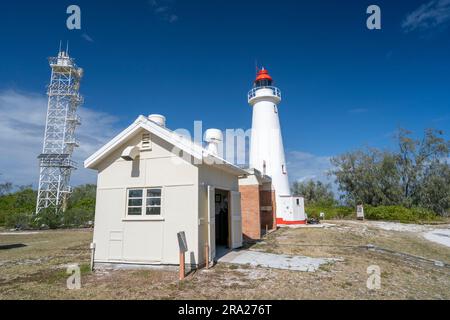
(37, 271)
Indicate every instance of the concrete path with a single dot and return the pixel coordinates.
(441, 236)
(18, 233)
(275, 261)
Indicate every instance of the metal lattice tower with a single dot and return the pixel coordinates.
(55, 162)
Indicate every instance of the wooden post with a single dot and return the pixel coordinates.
(92, 246)
(207, 256)
(182, 267)
(182, 243)
(267, 229)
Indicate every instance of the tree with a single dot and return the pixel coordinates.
(415, 175)
(83, 197)
(81, 206)
(433, 192)
(420, 160)
(17, 209)
(367, 176)
(5, 188)
(315, 193)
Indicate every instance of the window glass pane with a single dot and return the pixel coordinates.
(153, 211)
(153, 201)
(135, 202)
(154, 193)
(134, 211)
(135, 193)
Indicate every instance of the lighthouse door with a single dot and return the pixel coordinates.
(211, 223)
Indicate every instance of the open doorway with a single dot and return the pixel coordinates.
(221, 199)
(225, 222)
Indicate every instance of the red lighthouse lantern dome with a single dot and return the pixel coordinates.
(263, 79)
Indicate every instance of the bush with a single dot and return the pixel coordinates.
(387, 213)
(331, 212)
(19, 220)
(77, 217)
(71, 218)
(399, 213)
(49, 218)
(17, 208)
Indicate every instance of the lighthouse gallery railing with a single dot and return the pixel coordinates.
(252, 93)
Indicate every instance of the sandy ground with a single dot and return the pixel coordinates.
(435, 233)
(38, 269)
(441, 236)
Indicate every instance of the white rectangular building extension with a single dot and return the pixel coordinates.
(152, 184)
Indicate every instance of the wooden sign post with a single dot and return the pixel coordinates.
(182, 267)
(182, 244)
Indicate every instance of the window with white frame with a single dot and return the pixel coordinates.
(144, 202)
(153, 202)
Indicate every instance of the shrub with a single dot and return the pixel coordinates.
(19, 220)
(49, 218)
(338, 212)
(387, 213)
(17, 208)
(77, 217)
(399, 213)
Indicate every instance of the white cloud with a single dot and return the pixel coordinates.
(87, 37)
(305, 166)
(172, 18)
(163, 9)
(22, 124)
(435, 13)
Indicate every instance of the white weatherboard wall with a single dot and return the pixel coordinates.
(143, 240)
(184, 202)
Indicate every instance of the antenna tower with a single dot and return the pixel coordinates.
(55, 161)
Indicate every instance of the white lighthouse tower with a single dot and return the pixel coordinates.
(267, 151)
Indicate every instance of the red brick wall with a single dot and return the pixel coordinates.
(268, 218)
(250, 206)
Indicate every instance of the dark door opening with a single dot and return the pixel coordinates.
(222, 218)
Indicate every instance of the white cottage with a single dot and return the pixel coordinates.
(152, 184)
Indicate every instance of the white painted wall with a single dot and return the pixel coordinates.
(119, 239)
(266, 145)
(184, 205)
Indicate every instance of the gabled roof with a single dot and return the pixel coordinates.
(182, 143)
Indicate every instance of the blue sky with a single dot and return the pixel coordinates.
(344, 86)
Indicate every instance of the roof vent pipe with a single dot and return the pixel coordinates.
(158, 119)
(213, 137)
(130, 153)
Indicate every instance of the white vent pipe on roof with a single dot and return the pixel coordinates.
(213, 137)
(158, 119)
